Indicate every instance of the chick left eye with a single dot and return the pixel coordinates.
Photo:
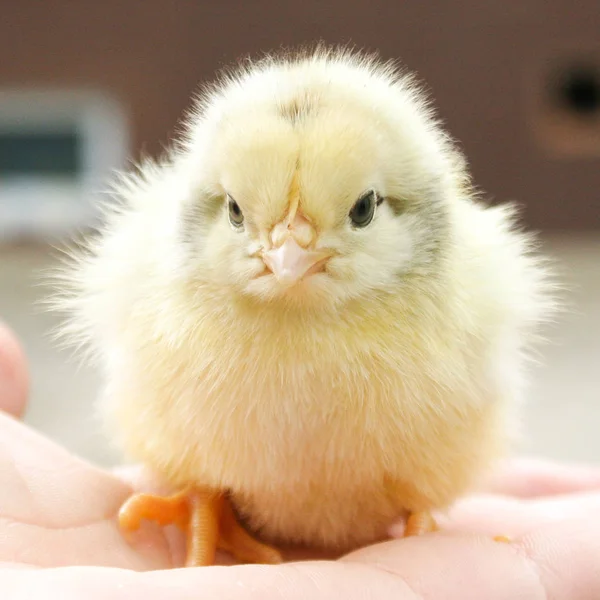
(364, 209)
(236, 216)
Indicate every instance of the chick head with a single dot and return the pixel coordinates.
(315, 179)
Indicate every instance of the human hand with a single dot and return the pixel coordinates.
(58, 512)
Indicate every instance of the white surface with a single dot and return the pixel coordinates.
(562, 416)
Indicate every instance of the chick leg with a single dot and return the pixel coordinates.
(419, 523)
(205, 509)
(209, 521)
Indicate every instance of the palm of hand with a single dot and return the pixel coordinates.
(58, 512)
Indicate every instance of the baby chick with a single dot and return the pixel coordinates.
(308, 322)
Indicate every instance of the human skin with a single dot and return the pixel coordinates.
(59, 539)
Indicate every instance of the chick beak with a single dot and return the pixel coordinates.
(290, 262)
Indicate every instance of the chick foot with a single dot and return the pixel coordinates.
(208, 520)
(419, 523)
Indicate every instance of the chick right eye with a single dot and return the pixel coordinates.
(364, 209)
(236, 216)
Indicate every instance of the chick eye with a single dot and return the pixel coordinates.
(363, 210)
(236, 216)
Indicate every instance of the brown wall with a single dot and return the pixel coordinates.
(484, 60)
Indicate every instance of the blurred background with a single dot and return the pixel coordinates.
(87, 87)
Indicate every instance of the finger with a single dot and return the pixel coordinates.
(14, 378)
(513, 517)
(142, 479)
(526, 478)
(500, 515)
(558, 560)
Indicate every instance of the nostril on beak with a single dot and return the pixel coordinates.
(299, 228)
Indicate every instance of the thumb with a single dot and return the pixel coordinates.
(14, 376)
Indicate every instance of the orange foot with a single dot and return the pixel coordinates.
(419, 523)
(208, 520)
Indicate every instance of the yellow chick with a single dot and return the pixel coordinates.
(308, 323)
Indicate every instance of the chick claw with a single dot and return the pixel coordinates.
(209, 521)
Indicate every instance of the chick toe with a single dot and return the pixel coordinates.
(163, 510)
(209, 521)
(240, 544)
